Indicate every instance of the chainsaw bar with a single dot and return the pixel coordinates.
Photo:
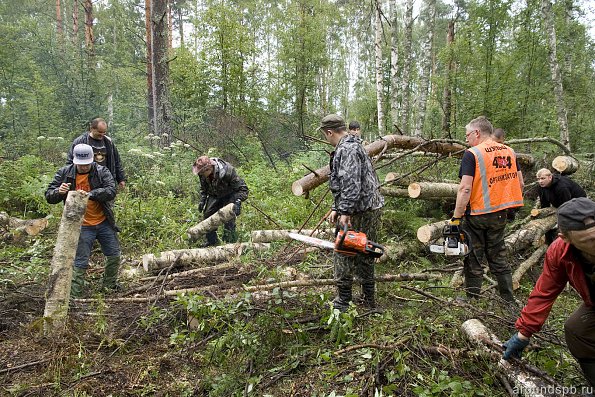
(316, 242)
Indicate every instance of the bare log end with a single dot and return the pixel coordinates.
(297, 188)
(148, 261)
(414, 190)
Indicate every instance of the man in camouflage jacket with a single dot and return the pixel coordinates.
(219, 185)
(357, 203)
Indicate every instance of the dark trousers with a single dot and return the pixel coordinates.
(579, 330)
(229, 229)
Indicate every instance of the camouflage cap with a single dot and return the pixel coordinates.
(572, 214)
(332, 122)
(201, 164)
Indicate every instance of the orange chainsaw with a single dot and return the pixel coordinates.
(347, 242)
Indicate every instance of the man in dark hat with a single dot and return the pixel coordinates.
(357, 205)
(219, 185)
(570, 258)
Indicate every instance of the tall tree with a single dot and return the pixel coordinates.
(160, 62)
(449, 71)
(378, 63)
(59, 26)
(546, 9)
(394, 65)
(75, 20)
(426, 67)
(149, 43)
(408, 60)
(89, 37)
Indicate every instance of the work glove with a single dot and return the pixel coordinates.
(237, 207)
(514, 347)
(201, 205)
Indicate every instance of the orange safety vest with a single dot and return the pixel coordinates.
(496, 185)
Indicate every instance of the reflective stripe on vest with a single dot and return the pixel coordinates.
(505, 197)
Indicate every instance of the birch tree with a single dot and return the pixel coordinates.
(408, 59)
(378, 63)
(394, 65)
(430, 13)
(160, 83)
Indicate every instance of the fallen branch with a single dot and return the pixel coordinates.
(526, 265)
(529, 234)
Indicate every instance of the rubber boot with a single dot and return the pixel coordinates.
(110, 273)
(78, 282)
(230, 235)
(211, 239)
(343, 298)
(473, 287)
(505, 287)
(588, 368)
(369, 300)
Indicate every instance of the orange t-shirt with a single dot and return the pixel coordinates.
(94, 213)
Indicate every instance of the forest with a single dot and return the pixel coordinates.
(248, 81)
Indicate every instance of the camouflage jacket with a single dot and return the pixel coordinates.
(223, 183)
(353, 181)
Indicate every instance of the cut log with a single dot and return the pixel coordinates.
(542, 212)
(317, 178)
(432, 190)
(526, 265)
(530, 234)
(529, 385)
(392, 176)
(457, 279)
(266, 236)
(431, 232)
(220, 217)
(392, 191)
(58, 291)
(22, 227)
(565, 165)
(394, 253)
(186, 257)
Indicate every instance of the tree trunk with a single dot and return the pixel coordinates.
(565, 165)
(391, 176)
(149, 41)
(89, 38)
(433, 190)
(162, 106)
(58, 291)
(319, 176)
(75, 20)
(59, 26)
(526, 265)
(394, 191)
(426, 67)
(546, 10)
(405, 83)
(19, 228)
(185, 257)
(431, 232)
(447, 94)
(170, 26)
(220, 217)
(394, 253)
(542, 212)
(482, 337)
(267, 236)
(529, 234)
(378, 62)
(394, 66)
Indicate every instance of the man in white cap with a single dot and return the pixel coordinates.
(99, 224)
(569, 259)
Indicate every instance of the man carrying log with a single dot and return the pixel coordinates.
(357, 205)
(555, 190)
(220, 185)
(570, 258)
(99, 223)
(490, 184)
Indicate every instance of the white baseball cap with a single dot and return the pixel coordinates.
(82, 154)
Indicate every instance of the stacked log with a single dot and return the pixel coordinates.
(187, 257)
(433, 190)
(530, 234)
(220, 217)
(565, 165)
(58, 291)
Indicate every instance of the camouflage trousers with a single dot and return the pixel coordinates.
(486, 233)
(361, 266)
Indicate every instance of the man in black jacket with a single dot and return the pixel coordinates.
(220, 185)
(556, 189)
(106, 153)
(98, 222)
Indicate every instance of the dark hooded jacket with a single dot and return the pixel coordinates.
(561, 190)
(112, 161)
(223, 185)
(103, 188)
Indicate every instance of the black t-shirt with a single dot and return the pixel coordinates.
(99, 150)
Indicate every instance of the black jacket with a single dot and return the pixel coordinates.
(561, 190)
(226, 185)
(112, 156)
(103, 188)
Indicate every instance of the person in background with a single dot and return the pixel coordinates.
(220, 185)
(490, 185)
(498, 135)
(569, 259)
(99, 223)
(355, 129)
(106, 153)
(357, 204)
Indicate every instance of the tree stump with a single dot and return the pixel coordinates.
(220, 217)
(58, 291)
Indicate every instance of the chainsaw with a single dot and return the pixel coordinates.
(347, 242)
(455, 242)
